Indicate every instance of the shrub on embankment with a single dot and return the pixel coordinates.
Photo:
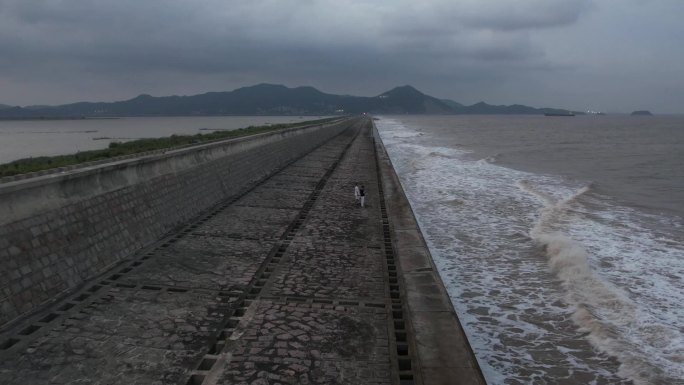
(117, 149)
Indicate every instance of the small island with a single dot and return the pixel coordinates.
(642, 113)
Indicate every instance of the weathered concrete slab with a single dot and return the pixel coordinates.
(274, 198)
(324, 270)
(291, 182)
(248, 222)
(407, 238)
(319, 160)
(302, 169)
(341, 190)
(204, 262)
(292, 343)
(432, 341)
(425, 293)
(442, 352)
(337, 217)
(128, 336)
(412, 259)
(351, 229)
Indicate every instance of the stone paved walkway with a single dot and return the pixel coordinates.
(289, 284)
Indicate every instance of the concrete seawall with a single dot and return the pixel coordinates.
(290, 281)
(442, 352)
(59, 230)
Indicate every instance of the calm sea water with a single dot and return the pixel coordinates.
(560, 240)
(30, 138)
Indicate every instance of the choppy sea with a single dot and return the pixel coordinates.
(560, 240)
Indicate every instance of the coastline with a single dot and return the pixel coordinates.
(444, 353)
(487, 226)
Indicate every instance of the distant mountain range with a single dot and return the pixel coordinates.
(269, 99)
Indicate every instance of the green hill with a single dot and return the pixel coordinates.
(267, 99)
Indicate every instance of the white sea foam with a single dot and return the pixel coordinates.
(616, 324)
(564, 267)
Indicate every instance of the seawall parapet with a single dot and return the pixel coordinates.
(440, 346)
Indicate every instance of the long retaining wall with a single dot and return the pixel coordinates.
(59, 230)
(443, 354)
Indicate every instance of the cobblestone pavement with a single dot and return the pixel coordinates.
(287, 284)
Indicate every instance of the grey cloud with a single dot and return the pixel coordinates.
(120, 48)
(524, 15)
(122, 29)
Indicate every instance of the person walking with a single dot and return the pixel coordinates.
(362, 195)
(357, 195)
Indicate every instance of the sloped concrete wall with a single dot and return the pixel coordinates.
(59, 230)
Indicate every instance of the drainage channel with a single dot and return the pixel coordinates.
(38, 323)
(219, 343)
(398, 324)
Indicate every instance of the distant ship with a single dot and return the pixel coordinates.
(559, 114)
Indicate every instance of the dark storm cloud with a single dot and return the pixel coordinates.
(78, 49)
(224, 36)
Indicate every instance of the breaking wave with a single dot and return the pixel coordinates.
(577, 287)
(613, 322)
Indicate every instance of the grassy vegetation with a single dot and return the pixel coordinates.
(116, 149)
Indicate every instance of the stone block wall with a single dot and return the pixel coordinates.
(58, 231)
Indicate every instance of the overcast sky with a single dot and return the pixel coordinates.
(609, 55)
